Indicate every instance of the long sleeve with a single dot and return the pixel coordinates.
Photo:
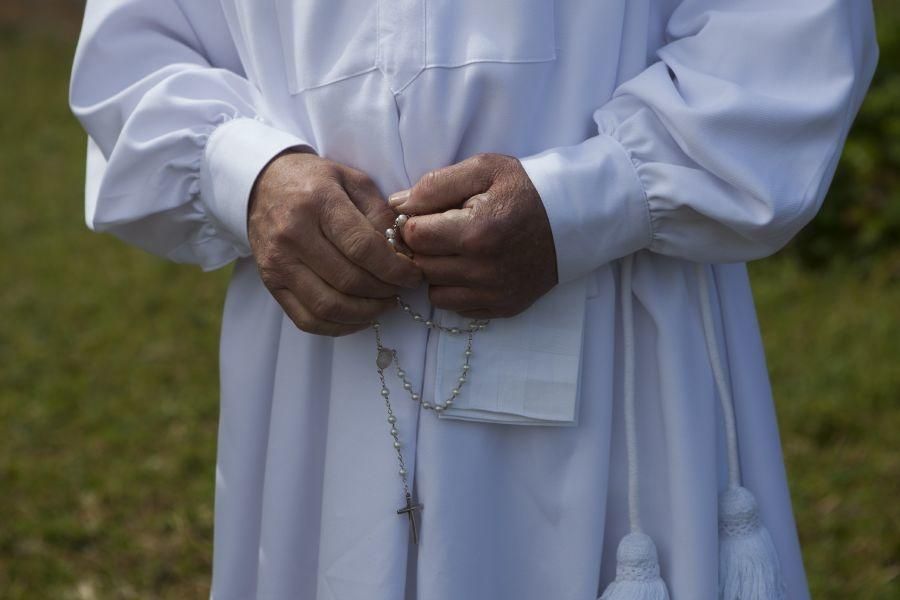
(177, 133)
(722, 149)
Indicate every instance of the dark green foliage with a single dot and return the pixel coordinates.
(108, 379)
(860, 218)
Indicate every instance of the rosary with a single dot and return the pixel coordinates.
(386, 356)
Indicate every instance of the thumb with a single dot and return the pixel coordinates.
(446, 188)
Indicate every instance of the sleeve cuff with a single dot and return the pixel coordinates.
(236, 152)
(595, 202)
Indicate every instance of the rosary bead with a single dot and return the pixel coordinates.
(454, 330)
(401, 220)
(455, 392)
(448, 402)
(468, 353)
(465, 367)
(415, 397)
(439, 407)
(426, 405)
(429, 323)
(407, 385)
(384, 392)
(394, 432)
(401, 373)
(397, 445)
(392, 419)
(390, 233)
(417, 317)
(462, 379)
(402, 472)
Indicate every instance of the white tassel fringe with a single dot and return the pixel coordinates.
(637, 571)
(748, 563)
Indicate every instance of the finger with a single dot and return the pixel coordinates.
(481, 313)
(455, 271)
(446, 188)
(332, 266)
(457, 298)
(366, 196)
(304, 320)
(328, 304)
(438, 234)
(352, 234)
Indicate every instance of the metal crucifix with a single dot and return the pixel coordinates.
(408, 511)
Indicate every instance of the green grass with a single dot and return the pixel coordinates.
(108, 386)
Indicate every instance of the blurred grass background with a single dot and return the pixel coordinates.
(108, 384)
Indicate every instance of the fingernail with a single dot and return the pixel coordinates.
(399, 198)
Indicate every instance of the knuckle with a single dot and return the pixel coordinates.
(428, 183)
(486, 165)
(482, 160)
(282, 233)
(305, 324)
(269, 276)
(360, 244)
(326, 308)
(478, 240)
(270, 270)
(350, 282)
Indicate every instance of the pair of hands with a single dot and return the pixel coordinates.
(478, 235)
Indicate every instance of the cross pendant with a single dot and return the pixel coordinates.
(408, 511)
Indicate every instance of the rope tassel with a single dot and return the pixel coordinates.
(748, 563)
(637, 564)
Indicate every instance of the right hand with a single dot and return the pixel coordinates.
(316, 232)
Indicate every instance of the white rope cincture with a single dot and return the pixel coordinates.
(637, 563)
(748, 562)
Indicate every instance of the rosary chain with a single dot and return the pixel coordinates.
(385, 356)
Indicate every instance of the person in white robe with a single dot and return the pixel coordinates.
(558, 137)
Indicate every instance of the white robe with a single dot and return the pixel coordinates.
(695, 130)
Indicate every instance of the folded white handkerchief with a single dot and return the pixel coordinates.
(524, 370)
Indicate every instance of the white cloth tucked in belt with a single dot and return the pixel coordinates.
(525, 369)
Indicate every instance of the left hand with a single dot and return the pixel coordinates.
(480, 234)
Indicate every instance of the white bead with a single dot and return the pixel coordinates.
(426, 405)
(401, 220)
(407, 386)
(465, 367)
(417, 317)
(394, 431)
(402, 472)
(462, 379)
(454, 330)
(390, 233)
(429, 323)
(439, 407)
(384, 392)
(448, 401)
(455, 392)
(468, 353)
(397, 445)
(415, 397)
(392, 241)
(401, 373)
(392, 419)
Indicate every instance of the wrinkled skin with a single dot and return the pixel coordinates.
(481, 236)
(316, 230)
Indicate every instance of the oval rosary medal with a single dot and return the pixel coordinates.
(384, 358)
